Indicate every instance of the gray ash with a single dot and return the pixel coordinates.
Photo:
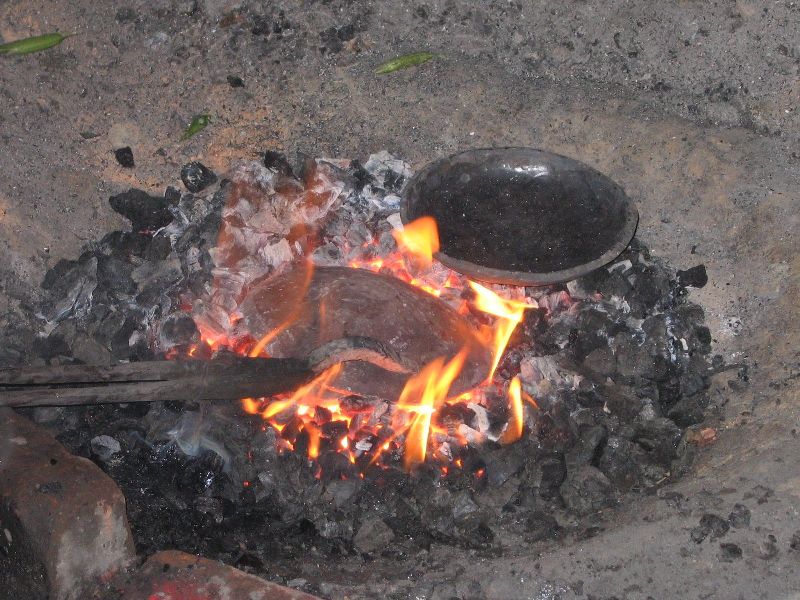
(617, 362)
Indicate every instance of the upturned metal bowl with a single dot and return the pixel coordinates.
(521, 216)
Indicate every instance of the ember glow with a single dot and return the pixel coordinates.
(320, 418)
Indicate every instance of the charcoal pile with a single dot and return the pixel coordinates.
(617, 362)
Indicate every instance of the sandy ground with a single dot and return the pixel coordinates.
(691, 106)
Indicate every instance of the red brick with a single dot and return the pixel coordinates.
(173, 575)
(59, 508)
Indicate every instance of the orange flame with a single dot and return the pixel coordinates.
(508, 312)
(419, 238)
(422, 395)
(513, 430)
(309, 408)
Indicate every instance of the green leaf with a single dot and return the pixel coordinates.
(404, 62)
(34, 44)
(196, 126)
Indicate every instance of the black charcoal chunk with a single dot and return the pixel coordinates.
(115, 275)
(277, 162)
(695, 277)
(145, 212)
(541, 526)
(172, 195)
(622, 462)
(124, 157)
(235, 81)
(689, 410)
(373, 536)
(178, 329)
(587, 446)
(586, 490)
(196, 176)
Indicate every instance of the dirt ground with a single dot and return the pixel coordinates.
(691, 106)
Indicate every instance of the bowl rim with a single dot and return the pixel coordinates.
(526, 278)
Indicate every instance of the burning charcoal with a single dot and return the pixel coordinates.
(621, 462)
(711, 524)
(145, 212)
(586, 448)
(276, 162)
(235, 81)
(196, 176)
(729, 552)
(695, 277)
(373, 536)
(124, 157)
(586, 490)
(739, 517)
(540, 526)
(115, 275)
(105, 447)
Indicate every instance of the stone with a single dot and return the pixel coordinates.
(145, 212)
(124, 157)
(373, 535)
(60, 509)
(586, 490)
(739, 517)
(768, 548)
(174, 575)
(711, 524)
(105, 447)
(729, 552)
(196, 176)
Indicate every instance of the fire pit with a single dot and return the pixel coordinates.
(524, 412)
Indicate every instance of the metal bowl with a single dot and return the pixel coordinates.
(521, 216)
